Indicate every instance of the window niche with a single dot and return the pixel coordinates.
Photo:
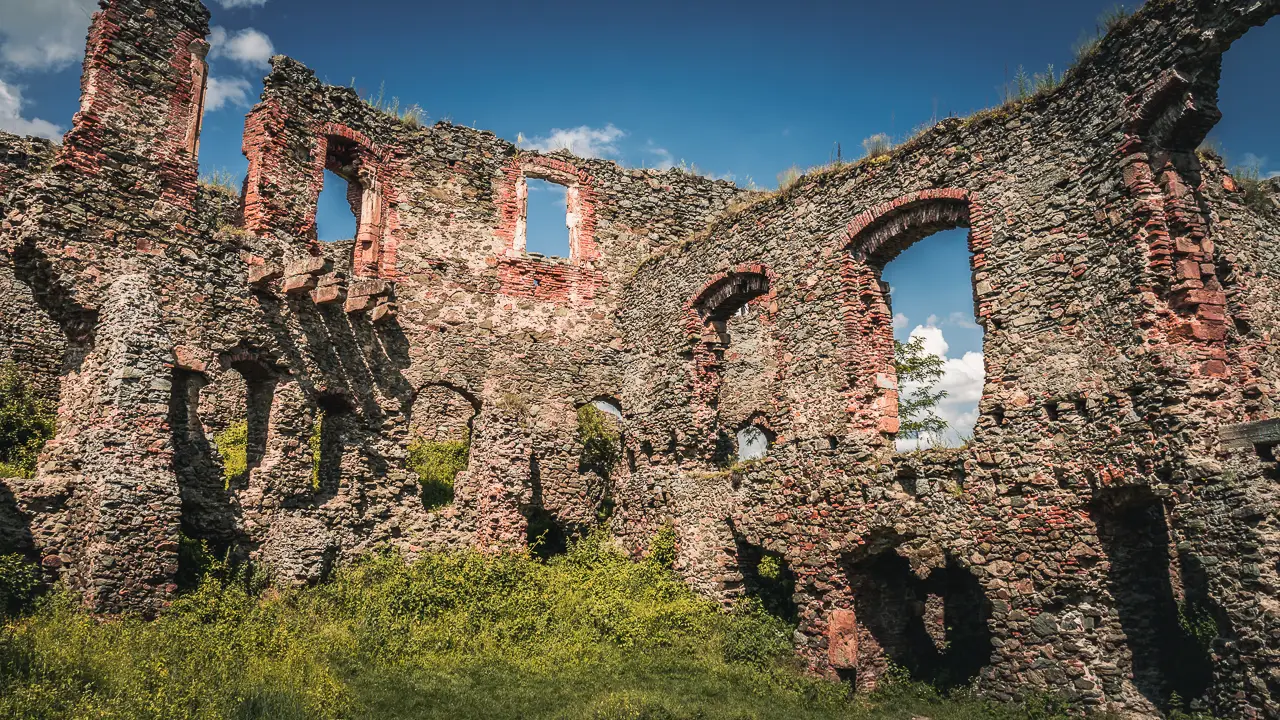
(441, 421)
(351, 180)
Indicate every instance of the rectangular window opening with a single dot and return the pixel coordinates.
(338, 209)
(546, 219)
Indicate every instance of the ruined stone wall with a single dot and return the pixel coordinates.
(1124, 288)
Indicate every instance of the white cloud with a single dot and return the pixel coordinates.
(900, 321)
(247, 47)
(11, 119)
(583, 141)
(233, 91)
(664, 159)
(962, 379)
(234, 4)
(44, 34)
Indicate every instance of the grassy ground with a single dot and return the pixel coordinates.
(586, 635)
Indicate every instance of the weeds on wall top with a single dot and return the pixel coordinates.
(27, 422)
(411, 116)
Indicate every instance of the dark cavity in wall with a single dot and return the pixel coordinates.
(1163, 605)
(936, 628)
(334, 419)
(767, 578)
(207, 514)
(546, 535)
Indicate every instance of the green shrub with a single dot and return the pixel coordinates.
(26, 423)
(18, 583)
(233, 446)
(601, 440)
(437, 465)
(662, 548)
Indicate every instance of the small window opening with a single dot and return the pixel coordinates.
(337, 212)
(328, 442)
(753, 443)
(546, 219)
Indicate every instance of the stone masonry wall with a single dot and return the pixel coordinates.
(1095, 520)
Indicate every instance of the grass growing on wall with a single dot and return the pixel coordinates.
(437, 464)
(26, 423)
(314, 444)
(233, 446)
(589, 634)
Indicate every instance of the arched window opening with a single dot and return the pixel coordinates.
(931, 621)
(439, 447)
(235, 408)
(915, 345)
(938, 358)
(753, 443)
(734, 360)
(1161, 598)
(338, 210)
(207, 518)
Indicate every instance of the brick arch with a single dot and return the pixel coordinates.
(870, 241)
(706, 313)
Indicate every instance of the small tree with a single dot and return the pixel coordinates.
(917, 414)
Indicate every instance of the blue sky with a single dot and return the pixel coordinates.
(741, 89)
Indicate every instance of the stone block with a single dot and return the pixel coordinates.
(842, 640)
(360, 303)
(264, 273)
(300, 283)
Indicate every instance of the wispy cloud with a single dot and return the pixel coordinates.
(663, 160)
(234, 4)
(248, 47)
(583, 141)
(1262, 163)
(11, 119)
(229, 91)
(43, 34)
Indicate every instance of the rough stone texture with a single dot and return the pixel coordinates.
(1126, 291)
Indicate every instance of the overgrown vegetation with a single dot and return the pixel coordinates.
(917, 411)
(233, 446)
(1251, 183)
(18, 583)
(437, 464)
(27, 422)
(589, 634)
(877, 146)
(221, 181)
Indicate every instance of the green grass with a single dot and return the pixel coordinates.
(589, 634)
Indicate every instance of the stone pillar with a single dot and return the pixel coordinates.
(112, 462)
